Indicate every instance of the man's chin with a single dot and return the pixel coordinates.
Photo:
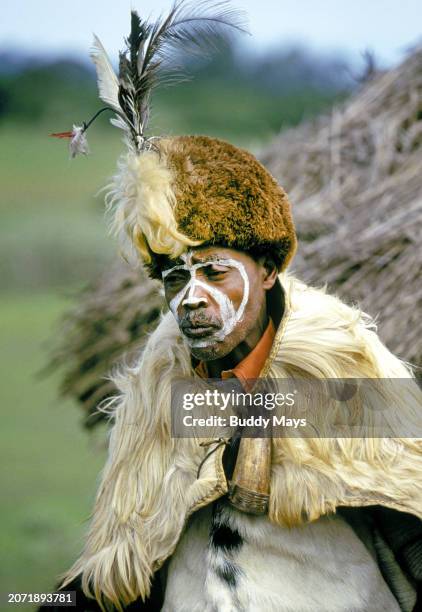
(210, 352)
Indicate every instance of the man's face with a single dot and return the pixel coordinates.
(217, 296)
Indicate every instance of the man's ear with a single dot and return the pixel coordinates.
(271, 271)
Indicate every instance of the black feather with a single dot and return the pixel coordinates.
(191, 26)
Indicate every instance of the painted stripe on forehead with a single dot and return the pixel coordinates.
(233, 263)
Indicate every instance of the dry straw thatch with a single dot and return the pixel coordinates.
(110, 322)
(355, 180)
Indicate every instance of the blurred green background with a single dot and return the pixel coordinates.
(54, 240)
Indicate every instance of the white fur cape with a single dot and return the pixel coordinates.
(149, 486)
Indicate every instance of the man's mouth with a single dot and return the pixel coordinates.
(198, 331)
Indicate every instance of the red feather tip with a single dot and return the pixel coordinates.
(62, 134)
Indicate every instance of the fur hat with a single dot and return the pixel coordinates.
(193, 190)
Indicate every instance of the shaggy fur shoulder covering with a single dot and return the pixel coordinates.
(149, 485)
(325, 338)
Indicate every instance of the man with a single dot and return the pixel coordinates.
(297, 524)
(163, 502)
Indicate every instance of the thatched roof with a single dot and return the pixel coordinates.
(355, 180)
(109, 322)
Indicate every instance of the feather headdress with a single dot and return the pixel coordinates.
(148, 60)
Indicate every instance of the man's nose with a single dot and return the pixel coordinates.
(196, 298)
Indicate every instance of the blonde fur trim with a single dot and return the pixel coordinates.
(325, 338)
(141, 201)
(149, 485)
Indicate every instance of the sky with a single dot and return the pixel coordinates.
(387, 27)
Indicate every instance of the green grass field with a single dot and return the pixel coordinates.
(52, 230)
(52, 240)
(49, 464)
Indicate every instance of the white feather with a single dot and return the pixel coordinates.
(108, 83)
(78, 144)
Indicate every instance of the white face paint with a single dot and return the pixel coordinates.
(229, 315)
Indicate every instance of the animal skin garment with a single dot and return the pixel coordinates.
(227, 561)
